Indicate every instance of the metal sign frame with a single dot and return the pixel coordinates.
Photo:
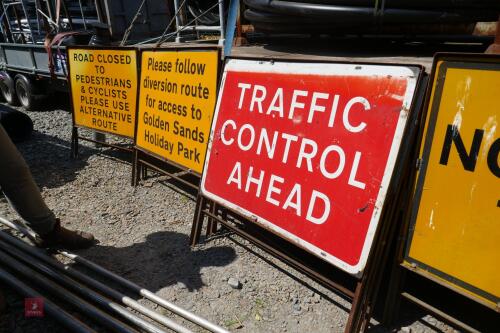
(75, 137)
(420, 267)
(143, 158)
(364, 291)
(398, 283)
(391, 160)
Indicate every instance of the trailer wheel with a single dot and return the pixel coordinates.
(26, 92)
(7, 89)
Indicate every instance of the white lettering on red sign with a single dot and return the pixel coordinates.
(309, 149)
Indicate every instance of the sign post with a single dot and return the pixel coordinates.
(307, 152)
(103, 84)
(176, 103)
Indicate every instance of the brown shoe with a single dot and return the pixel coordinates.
(61, 237)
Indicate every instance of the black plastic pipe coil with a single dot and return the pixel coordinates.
(363, 15)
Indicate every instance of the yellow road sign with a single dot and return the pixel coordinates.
(176, 104)
(104, 89)
(455, 222)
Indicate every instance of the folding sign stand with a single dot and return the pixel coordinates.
(144, 161)
(449, 239)
(177, 98)
(360, 287)
(104, 89)
(75, 137)
(361, 291)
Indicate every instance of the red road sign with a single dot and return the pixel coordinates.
(307, 150)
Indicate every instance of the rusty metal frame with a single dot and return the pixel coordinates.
(142, 162)
(143, 158)
(397, 282)
(365, 291)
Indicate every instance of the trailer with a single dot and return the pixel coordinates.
(35, 33)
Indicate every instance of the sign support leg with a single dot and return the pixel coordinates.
(212, 223)
(393, 300)
(74, 142)
(135, 166)
(197, 221)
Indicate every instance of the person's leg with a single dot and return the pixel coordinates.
(17, 184)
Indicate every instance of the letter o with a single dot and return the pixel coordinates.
(322, 163)
(493, 158)
(252, 137)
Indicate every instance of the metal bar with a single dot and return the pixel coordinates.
(134, 168)
(52, 309)
(47, 17)
(178, 31)
(7, 19)
(37, 16)
(87, 293)
(124, 282)
(130, 150)
(177, 21)
(199, 28)
(146, 294)
(197, 221)
(234, 12)
(355, 308)
(70, 20)
(83, 15)
(221, 23)
(19, 24)
(131, 26)
(439, 313)
(74, 142)
(152, 166)
(28, 22)
(284, 257)
(30, 234)
(168, 25)
(86, 308)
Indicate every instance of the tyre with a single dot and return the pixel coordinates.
(26, 92)
(7, 89)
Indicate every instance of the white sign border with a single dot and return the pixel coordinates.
(334, 69)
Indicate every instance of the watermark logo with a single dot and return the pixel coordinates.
(33, 307)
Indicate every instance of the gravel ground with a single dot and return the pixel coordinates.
(143, 235)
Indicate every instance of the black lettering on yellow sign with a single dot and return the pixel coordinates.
(104, 89)
(176, 104)
(469, 158)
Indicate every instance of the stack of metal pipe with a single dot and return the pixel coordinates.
(33, 273)
(396, 17)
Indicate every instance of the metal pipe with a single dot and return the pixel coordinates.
(178, 31)
(146, 294)
(177, 9)
(86, 308)
(70, 322)
(178, 20)
(221, 23)
(87, 293)
(22, 229)
(200, 28)
(438, 313)
(82, 290)
(112, 276)
(83, 15)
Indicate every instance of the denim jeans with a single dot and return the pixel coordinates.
(17, 184)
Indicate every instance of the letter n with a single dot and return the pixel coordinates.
(453, 137)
